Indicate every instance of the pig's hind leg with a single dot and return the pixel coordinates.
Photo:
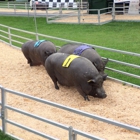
(54, 79)
(29, 61)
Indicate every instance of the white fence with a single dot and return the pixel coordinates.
(80, 16)
(66, 14)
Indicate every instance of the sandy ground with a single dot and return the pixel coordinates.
(122, 103)
(86, 18)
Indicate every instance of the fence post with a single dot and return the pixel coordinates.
(60, 9)
(98, 16)
(72, 135)
(35, 21)
(8, 5)
(25, 5)
(46, 14)
(9, 34)
(113, 11)
(67, 5)
(14, 9)
(3, 110)
(87, 8)
(79, 15)
(28, 10)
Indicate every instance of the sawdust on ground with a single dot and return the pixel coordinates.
(122, 103)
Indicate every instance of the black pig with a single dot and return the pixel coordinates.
(88, 52)
(36, 52)
(81, 73)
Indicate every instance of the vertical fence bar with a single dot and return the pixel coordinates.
(9, 34)
(113, 11)
(87, 8)
(72, 135)
(79, 15)
(98, 16)
(8, 5)
(67, 5)
(46, 13)
(28, 10)
(3, 110)
(35, 21)
(25, 5)
(60, 9)
(14, 9)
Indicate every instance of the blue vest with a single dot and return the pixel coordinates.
(80, 49)
(38, 43)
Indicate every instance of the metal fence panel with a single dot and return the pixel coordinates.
(72, 132)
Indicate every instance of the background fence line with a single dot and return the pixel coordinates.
(81, 13)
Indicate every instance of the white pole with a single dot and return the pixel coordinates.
(35, 21)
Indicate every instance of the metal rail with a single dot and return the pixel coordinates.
(4, 108)
(5, 119)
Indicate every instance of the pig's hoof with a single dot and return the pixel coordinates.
(31, 64)
(86, 98)
(57, 87)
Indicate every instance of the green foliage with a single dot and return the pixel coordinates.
(5, 136)
(116, 35)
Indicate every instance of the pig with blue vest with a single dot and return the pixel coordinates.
(36, 52)
(73, 70)
(88, 52)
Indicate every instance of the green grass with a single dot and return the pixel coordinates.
(123, 36)
(5, 136)
(117, 35)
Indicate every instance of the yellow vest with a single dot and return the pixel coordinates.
(68, 60)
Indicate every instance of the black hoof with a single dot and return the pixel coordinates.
(86, 98)
(56, 87)
(31, 64)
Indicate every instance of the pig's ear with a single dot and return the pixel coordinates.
(48, 53)
(99, 78)
(91, 81)
(104, 77)
(105, 61)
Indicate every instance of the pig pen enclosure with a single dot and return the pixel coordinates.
(121, 104)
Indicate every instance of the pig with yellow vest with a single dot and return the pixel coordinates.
(74, 70)
(88, 52)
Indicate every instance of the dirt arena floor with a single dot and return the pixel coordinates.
(122, 103)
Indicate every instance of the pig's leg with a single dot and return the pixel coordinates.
(29, 61)
(82, 93)
(54, 79)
